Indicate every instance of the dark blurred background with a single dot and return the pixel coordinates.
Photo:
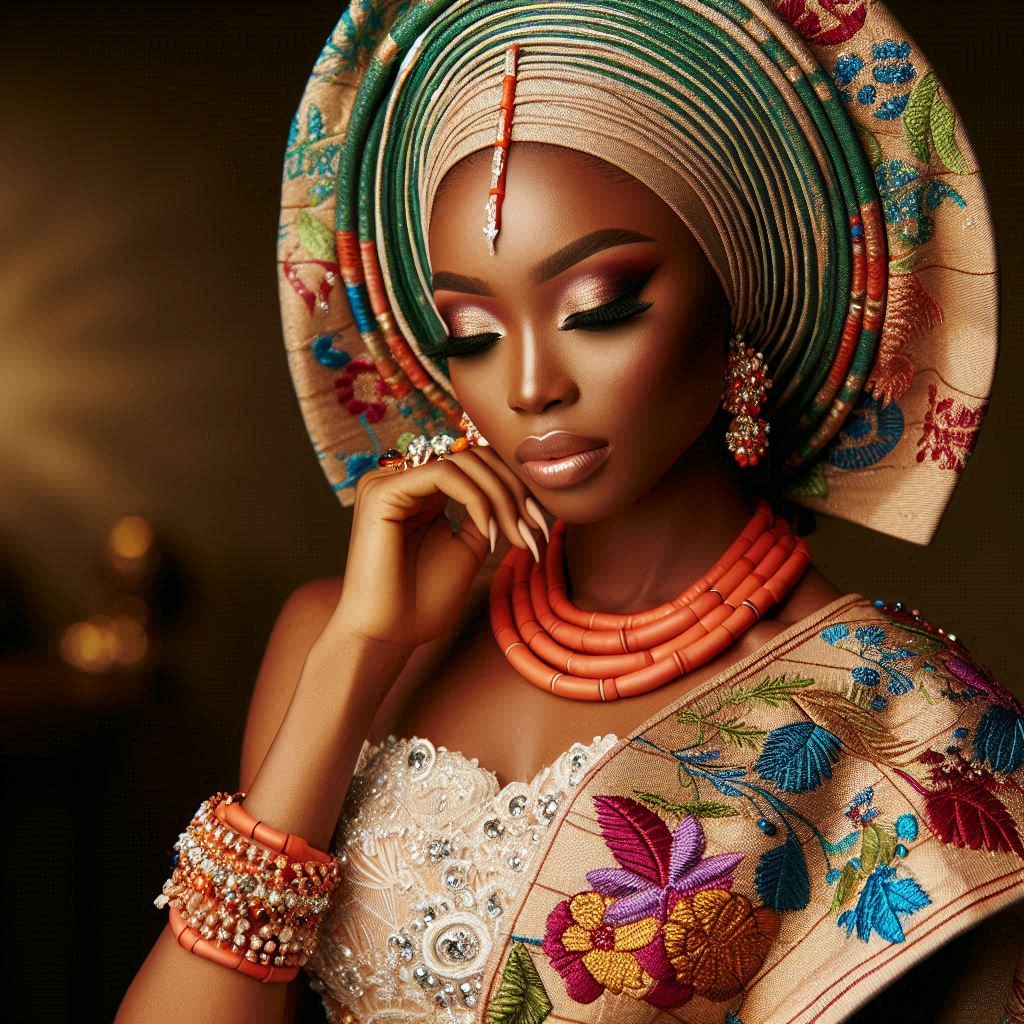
(159, 498)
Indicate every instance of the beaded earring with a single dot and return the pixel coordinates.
(746, 384)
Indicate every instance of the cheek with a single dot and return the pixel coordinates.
(675, 379)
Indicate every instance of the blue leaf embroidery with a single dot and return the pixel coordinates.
(999, 739)
(781, 877)
(798, 756)
(881, 902)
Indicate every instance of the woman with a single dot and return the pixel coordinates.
(673, 269)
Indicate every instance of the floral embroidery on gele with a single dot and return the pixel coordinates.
(950, 430)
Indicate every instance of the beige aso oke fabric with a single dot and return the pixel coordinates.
(808, 145)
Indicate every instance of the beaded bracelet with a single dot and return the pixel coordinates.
(233, 876)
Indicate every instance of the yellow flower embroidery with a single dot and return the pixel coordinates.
(606, 949)
(717, 941)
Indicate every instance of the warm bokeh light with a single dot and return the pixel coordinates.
(103, 643)
(130, 545)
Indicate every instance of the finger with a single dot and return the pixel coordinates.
(534, 515)
(400, 498)
(507, 510)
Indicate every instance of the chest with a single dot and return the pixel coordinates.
(471, 700)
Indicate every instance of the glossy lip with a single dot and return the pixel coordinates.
(566, 472)
(556, 444)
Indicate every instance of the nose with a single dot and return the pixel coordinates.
(538, 375)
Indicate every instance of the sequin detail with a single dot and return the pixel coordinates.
(435, 851)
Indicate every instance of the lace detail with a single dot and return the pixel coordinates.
(434, 850)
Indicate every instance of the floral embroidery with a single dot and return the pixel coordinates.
(522, 998)
(309, 155)
(950, 431)
(891, 66)
(903, 193)
(717, 941)
(964, 808)
(593, 955)
(890, 658)
(352, 42)
(361, 390)
(870, 877)
(843, 19)
(662, 925)
(929, 124)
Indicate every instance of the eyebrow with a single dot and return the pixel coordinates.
(549, 267)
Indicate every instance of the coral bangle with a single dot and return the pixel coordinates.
(188, 938)
(590, 655)
(231, 812)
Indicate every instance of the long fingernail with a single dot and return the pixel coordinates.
(534, 509)
(492, 531)
(524, 529)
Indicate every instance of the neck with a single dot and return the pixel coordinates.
(649, 552)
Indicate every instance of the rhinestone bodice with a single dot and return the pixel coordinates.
(434, 850)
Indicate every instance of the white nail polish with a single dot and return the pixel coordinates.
(534, 509)
(531, 543)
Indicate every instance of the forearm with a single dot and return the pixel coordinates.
(303, 780)
(299, 788)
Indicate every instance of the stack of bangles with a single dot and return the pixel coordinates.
(245, 895)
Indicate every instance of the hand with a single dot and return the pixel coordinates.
(408, 575)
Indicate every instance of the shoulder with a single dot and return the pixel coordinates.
(814, 591)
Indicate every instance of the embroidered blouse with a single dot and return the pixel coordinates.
(775, 847)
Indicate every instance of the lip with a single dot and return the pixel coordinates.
(567, 471)
(555, 445)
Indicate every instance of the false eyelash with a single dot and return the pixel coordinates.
(621, 308)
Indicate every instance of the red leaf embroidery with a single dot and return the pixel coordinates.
(639, 840)
(970, 816)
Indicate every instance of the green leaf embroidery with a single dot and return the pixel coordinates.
(877, 846)
(521, 997)
(773, 691)
(696, 808)
(871, 144)
(943, 123)
(315, 237)
(917, 116)
(846, 887)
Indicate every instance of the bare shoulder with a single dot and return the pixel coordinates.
(814, 591)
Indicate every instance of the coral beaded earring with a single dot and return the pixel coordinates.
(746, 384)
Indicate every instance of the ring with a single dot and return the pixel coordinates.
(421, 449)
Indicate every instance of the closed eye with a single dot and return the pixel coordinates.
(624, 307)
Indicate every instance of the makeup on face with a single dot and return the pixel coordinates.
(598, 297)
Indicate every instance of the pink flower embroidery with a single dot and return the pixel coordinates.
(950, 431)
(360, 389)
(617, 937)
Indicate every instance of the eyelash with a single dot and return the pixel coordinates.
(621, 308)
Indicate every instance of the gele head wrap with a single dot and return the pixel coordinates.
(807, 144)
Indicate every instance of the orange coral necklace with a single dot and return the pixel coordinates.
(591, 655)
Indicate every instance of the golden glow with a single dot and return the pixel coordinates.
(103, 643)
